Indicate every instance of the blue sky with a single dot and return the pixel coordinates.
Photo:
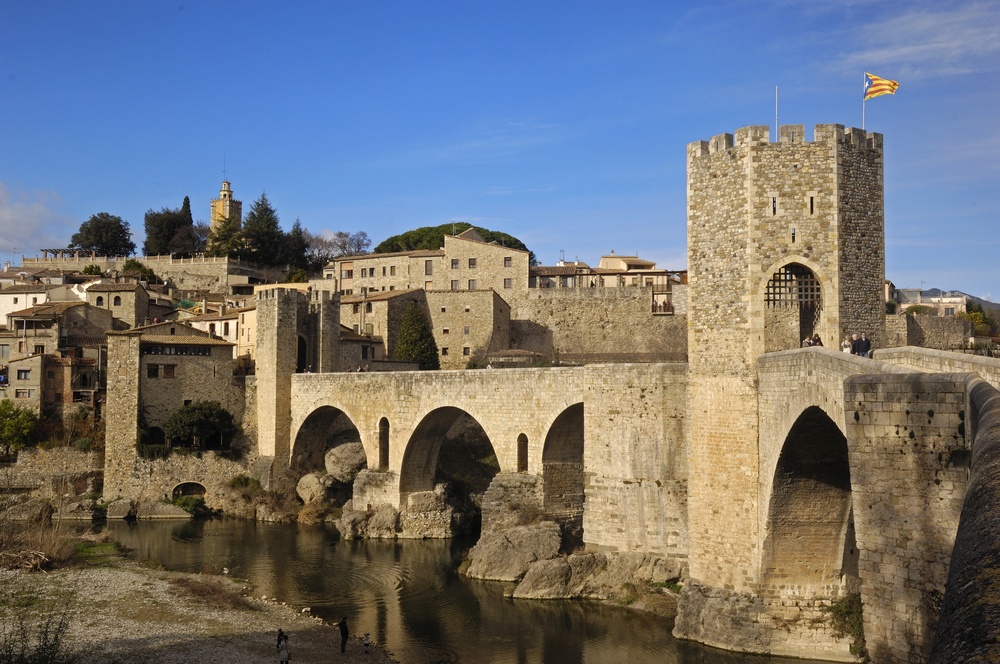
(562, 123)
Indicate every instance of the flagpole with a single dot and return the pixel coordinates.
(864, 79)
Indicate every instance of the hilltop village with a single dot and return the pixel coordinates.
(643, 425)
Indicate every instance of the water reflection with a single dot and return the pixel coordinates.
(407, 594)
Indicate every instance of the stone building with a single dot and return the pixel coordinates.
(225, 207)
(466, 262)
(468, 325)
(128, 302)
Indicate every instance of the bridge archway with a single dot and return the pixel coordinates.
(810, 547)
(562, 474)
(468, 447)
(793, 302)
(188, 489)
(325, 428)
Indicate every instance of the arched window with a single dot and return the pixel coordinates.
(100, 301)
(383, 444)
(522, 453)
(118, 300)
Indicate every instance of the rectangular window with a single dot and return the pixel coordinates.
(21, 394)
(383, 270)
(4, 350)
(472, 284)
(812, 205)
(364, 352)
(39, 350)
(466, 329)
(444, 310)
(392, 270)
(445, 331)
(356, 328)
(444, 351)
(508, 283)
(472, 263)
(225, 328)
(347, 274)
(356, 308)
(454, 263)
(467, 309)
(364, 272)
(168, 370)
(454, 284)
(466, 351)
(508, 261)
(368, 307)
(152, 371)
(428, 268)
(24, 374)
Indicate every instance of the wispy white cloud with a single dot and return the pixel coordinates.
(483, 142)
(927, 41)
(31, 221)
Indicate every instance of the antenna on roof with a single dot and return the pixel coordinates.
(224, 165)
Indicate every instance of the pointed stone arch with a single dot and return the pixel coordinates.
(810, 546)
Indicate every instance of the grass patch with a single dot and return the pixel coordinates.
(214, 591)
(673, 585)
(847, 618)
(33, 630)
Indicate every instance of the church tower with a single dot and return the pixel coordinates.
(226, 207)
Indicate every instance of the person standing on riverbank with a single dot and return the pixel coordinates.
(344, 633)
(282, 647)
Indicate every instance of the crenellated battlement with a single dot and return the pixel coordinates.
(760, 135)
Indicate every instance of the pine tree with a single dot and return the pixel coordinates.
(262, 233)
(415, 342)
(226, 239)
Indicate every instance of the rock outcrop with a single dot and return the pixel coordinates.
(345, 461)
(595, 575)
(506, 556)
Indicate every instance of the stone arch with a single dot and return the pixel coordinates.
(383, 444)
(793, 291)
(324, 428)
(188, 489)
(562, 473)
(522, 453)
(810, 547)
(100, 301)
(420, 460)
(118, 300)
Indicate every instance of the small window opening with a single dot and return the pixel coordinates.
(793, 236)
(774, 205)
(812, 205)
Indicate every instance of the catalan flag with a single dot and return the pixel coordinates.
(876, 87)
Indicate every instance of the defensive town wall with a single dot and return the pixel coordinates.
(595, 324)
(941, 332)
(214, 274)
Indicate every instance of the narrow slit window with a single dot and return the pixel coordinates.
(812, 205)
(774, 205)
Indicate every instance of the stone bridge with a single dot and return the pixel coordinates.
(611, 432)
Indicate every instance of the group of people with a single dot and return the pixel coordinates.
(855, 345)
(344, 634)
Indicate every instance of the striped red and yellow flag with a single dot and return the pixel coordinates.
(876, 87)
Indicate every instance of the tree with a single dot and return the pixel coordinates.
(201, 421)
(262, 233)
(106, 234)
(432, 237)
(145, 274)
(161, 228)
(295, 244)
(323, 249)
(225, 239)
(17, 427)
(415, 342)
(93, 270)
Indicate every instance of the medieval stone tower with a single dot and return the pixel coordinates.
(226, 207)
(298, 332)
(785, 239)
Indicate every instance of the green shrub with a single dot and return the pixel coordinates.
(847, 618)
(152, 452)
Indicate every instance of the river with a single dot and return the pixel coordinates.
(407, 595)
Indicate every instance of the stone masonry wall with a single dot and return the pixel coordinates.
(909, 467)
(936, 361)
(465, 323)
(615, 324)
(941, 332)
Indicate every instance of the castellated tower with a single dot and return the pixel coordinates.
(785, 239)
(226, 207)
(298, 332)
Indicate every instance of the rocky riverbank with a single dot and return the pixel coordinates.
(122, 612)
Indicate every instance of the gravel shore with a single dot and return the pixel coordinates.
(124, 612)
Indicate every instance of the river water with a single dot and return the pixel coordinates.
(407, 595)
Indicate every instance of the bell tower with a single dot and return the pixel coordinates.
(226, 207)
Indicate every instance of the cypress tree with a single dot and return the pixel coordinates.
(415, 342)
